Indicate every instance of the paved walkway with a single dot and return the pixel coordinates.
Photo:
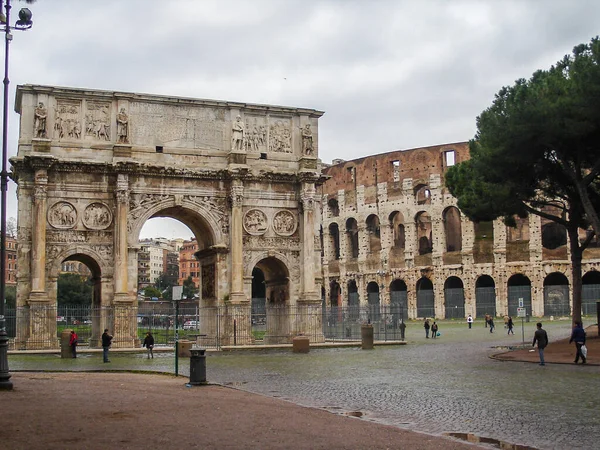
(436, 386)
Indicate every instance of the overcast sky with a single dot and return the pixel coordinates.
(388, 74)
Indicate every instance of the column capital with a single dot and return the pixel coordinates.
(236, 194)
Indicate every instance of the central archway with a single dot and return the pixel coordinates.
(277, 294)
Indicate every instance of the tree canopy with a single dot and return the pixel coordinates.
(537, 151)
(73, 289)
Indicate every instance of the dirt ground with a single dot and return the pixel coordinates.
(141, 411)
(558, 352)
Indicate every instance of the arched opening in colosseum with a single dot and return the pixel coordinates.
(483, 244)
(353, 300)
(352, 234)
(554, 240)
(334, 207)
(424, 233)
(396, 219)
(77, 283)
(422, 194)
(425, 298)
(373, 230)
(454, 298)
(590, 293)
(373, 300)
(556, 295)
(334, 236)
(335, 294)
(485, 296)
(517, 240)
(452, 229)
(398, 301)
(519, 287)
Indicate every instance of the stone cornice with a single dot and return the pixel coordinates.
(92, 94)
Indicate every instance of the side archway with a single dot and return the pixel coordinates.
(556, 295)
(454, 298)
(590, 293)
(485, 296)
(519, 287)
(425, 298)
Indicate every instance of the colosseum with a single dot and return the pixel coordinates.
(392, 235)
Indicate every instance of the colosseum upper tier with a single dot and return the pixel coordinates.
(392, 235)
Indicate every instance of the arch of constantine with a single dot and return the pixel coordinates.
(93, 166)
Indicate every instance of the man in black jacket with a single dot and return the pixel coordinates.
(578, 335)
(106, 340)
(541, 337)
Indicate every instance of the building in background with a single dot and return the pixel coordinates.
(158, 257)
(11, 261)
(188, 264)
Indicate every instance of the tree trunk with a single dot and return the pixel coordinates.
(576, 257)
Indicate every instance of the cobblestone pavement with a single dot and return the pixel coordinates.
(432, 385)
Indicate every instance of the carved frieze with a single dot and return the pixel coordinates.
(62, 215)
(141, 201)
(208, 281)
(284, 223)
(122, 127)
(280, 136)
(262, 242)
(255, 138)
(67, 120)
(72, 236)
(39, 121)
(97, 120)
(255, 222)
(105, 251)
(216, 206)
(97, 216)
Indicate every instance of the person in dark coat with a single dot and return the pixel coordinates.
(73, 343)
(434, 330)
(578, 335)
(426, 326)
(149, 344)
(510, 324)
(491, 323)
(541, 337)
(106, 341)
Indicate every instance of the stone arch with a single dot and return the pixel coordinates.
(590, 292)
(454, 298)
(485, 296)
(334, 207)
(396, 219)
(424, 232)
(452, 229)
(422, 194)
(519, 287)
(374, 231)
(398, 301)
(517, 241)
(334, 236)
(352, 232)
(276, 277)
(197, 217)
(483, 243)
(556, 295)
(335, 294)
(425, 298)
(353, 300)
(373, 301)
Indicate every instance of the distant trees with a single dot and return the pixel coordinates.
(73, 289)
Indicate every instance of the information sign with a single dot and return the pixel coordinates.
(521, 312)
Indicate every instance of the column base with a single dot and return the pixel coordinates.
(237, 297)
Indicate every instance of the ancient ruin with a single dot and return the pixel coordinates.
(93, 166)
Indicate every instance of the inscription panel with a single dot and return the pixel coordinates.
(177, 126)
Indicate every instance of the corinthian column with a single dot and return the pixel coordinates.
(237, 261)
(307, 197)
(38, 236)
(120, 238)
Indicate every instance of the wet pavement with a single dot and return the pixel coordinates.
(443, 385)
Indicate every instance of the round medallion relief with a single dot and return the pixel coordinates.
(62, 215)
(284, 223)
(97, 216)
(255, 222)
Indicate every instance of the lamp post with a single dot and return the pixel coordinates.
(24, 23)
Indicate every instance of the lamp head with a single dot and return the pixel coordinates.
(24, 21)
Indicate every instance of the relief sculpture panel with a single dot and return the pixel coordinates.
(62, 215)
(284, 223)
(255, 222)
(97, 216)
(67, 120)
(97, 121)
(280, 136)
(255, 138)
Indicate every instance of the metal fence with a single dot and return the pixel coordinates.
(211, 327)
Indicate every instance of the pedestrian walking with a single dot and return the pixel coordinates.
(106, 341)
(541, 337)
(434, 330)
(73, 343)
(487, 320)
(149, 344)
(578, 335)
(491, 324)
(426, 326)
(470, 321)
(510, 324)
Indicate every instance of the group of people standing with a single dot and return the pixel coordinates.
(431, 326)
(107, 342)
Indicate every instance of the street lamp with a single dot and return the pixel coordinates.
(24, 23)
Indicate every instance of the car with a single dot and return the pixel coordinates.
(87, 322)
(60, 319)
(190, 325)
